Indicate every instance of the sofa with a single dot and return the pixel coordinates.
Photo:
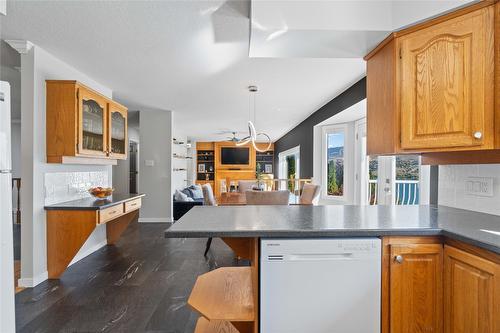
(185, 199)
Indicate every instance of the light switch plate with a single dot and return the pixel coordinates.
(479, 186)
(149, 163)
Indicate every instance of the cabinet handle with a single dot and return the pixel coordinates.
(398, 258)
(478, 135)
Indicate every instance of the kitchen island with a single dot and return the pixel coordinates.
(432, 243)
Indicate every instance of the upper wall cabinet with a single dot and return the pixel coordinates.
(83, 126)
(430, 88)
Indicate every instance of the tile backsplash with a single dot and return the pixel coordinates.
(452, 187)
(66, 186)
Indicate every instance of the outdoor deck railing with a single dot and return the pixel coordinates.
(406, 192)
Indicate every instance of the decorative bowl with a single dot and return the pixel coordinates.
(101, 192)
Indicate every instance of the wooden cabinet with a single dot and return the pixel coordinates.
(415, 287)
(92, 116)
(430, 88)
(83, 126)
(471, 293)
(117, 129)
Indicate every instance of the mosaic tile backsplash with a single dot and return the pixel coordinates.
(66, 186)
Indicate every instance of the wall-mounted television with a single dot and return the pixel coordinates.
(235, 155)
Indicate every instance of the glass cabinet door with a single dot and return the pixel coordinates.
(93, 123)
(118, 132)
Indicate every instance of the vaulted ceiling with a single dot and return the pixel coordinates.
(192, 57)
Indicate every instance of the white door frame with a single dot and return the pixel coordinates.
(360, 163)
(282, 163)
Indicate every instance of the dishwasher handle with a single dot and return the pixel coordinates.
(320, 256)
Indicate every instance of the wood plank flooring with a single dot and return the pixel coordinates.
(139, 285)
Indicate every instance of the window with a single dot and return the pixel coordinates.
(289, 168)
(333, 160)
(372, 180)
(407, 180)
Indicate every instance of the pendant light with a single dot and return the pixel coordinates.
(252, 133)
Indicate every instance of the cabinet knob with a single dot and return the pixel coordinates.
(398, 258)
(478, 135)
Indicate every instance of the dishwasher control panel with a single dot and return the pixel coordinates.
(282, 249)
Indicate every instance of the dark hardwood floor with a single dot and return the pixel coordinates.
(139, 285)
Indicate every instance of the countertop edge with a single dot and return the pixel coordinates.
(332, 233)
(111, 204)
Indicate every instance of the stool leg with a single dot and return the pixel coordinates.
(209, 242)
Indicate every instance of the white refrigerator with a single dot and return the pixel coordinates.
(7, 318)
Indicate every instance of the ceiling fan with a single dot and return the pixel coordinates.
(233, 138)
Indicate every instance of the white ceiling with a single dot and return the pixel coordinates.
(191, 57)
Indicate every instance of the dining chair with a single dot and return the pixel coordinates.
(267, 197)
(208, 200)
(245, 185)
(309, 194)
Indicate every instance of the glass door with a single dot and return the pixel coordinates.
(92, 116)
(117, 131)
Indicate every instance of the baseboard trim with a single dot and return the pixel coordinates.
(33, 282)
(155, 220)
(91, 250)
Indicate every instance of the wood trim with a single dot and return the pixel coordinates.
(116, 227)
(219, 167)
(497, 73)
(204, 145)
(67, 231)
(79, 84)
(80, 160)
(430, 22)
(462, 157)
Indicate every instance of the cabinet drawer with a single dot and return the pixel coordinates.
(110, 213)
(133, 205)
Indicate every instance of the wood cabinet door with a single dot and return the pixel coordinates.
(446, 84)
(416, 294)
(471, 293)
(117, 131)
(92, 124)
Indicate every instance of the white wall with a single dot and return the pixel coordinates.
(16, 148)
(38, 66)
(121, 171)
(452, 187)
(155, 130)
(15, 135)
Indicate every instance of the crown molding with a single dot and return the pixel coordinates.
(21, 46)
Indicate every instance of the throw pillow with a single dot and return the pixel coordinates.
(187, 191)
(197, 191)
(179, 196)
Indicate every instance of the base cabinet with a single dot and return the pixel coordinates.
(471, 293)
(416, 280)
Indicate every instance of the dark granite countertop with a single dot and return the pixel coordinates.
(475, 228)
(92, 203)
